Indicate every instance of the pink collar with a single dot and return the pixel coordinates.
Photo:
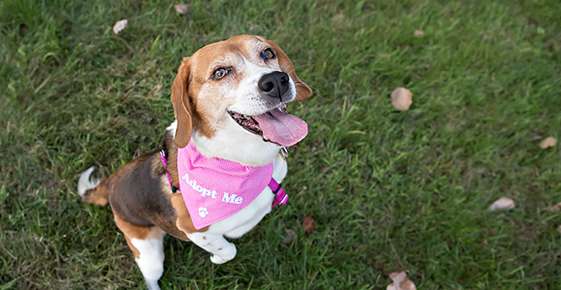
(214, 189)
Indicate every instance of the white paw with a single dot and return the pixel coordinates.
(152, 284)
(224, 255)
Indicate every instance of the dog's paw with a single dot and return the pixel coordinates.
(224, 255)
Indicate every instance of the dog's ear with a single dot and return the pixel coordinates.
(182, 104)
(303, 91)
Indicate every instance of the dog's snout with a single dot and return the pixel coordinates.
(274, 85)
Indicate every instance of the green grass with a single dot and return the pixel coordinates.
(388, 190)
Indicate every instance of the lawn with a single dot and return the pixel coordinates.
(388, 190)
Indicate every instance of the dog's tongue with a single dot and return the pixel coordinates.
(282, 128)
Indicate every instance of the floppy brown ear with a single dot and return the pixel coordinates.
(303, 91)
(182, 104)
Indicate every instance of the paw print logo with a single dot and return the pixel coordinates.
(203, 212)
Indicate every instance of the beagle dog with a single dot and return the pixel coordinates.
(221, 164)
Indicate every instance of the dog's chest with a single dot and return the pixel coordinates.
(243, 221)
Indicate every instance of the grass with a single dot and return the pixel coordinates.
(389, 191)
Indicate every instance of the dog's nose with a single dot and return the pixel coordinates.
(274, 84)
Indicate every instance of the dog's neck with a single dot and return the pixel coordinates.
(231, 142)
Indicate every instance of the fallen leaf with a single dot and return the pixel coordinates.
(23, 28)
(402, 99)
(182, 8)
(554, 208)
(309, 224)
(503, 203)
(400, 282)
(120, 26)
(419, 33)
(548, 142)
(289, 237)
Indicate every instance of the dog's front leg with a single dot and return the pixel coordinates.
(220, 249)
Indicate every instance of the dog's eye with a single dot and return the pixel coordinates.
(267, 54)
(220, 73)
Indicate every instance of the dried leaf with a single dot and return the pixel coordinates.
(309, 224)
(503, 203)
(554, 208)
(400, 282)
(120, 26)
(548, 142)
(182, 8)
(402, 99)
(289, 237)
(23, 28)
(419, 33)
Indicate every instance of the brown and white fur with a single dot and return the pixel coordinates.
(144, 208)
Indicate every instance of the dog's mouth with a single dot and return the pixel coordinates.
(275, 126)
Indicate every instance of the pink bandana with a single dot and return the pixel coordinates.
(214, 189)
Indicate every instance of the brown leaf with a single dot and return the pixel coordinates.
(402, 99)
(182, 8)
(548, 142)
(503, 203)
(309, 224)
(400, 282)
(23, 28)
(289, 237)
(120, 26)
(554, 208)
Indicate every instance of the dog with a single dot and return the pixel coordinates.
(221, 164)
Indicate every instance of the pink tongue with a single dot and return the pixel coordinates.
(282, 128)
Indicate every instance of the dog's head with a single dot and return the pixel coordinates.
(246, 78)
